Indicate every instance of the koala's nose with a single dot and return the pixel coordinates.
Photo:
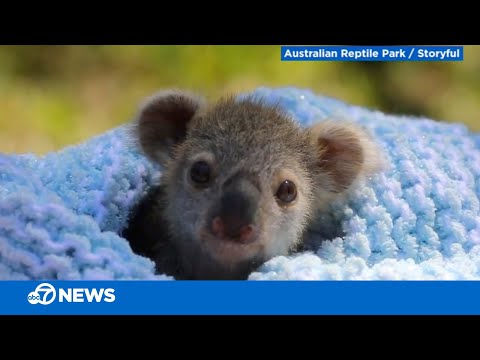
(232, 231)
(237, 211)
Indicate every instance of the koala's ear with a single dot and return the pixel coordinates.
(343, 153)
(162, 122)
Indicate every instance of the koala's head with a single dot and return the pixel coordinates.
(242, 177)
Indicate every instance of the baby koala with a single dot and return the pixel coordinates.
(241, 181)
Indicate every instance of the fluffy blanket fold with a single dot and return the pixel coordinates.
(60, 214)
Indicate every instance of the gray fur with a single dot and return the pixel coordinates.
(237, 136)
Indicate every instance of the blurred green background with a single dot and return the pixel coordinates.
(53, 96)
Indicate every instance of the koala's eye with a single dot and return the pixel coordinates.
(287, 191)
(200, 172)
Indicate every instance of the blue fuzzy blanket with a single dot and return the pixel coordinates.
(60, 214)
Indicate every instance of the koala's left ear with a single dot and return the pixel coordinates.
(344, 152)
(163, 119)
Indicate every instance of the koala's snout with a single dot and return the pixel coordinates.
(234, 216)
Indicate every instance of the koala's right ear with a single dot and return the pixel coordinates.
(162, 122)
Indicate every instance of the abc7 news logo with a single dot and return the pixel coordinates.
(44, 294)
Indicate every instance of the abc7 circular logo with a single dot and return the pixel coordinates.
(44, 294)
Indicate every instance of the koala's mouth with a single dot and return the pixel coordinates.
(230, 250)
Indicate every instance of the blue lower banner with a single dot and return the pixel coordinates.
(239, 297)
